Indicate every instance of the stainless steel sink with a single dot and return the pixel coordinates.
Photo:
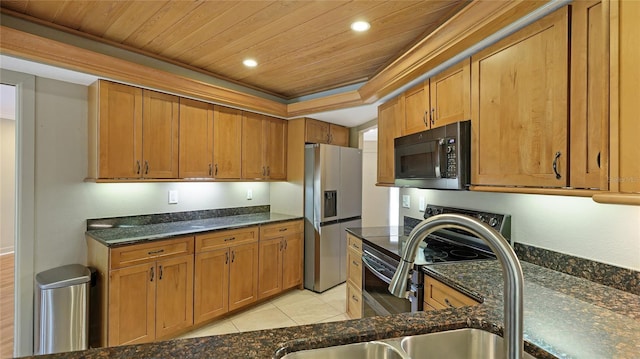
(452, 344)
(368, 350)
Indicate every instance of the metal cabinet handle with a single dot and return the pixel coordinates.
(155, 252)
(355, 298)
(226, 260)
(447, 302)
(233, 256)
(328, 138)
(598, 159)
(282, 229)
(264, 171)
(285, 244)
(229, 239)
(146, 167)
(151, 275)
(433, 116)
(160, 274)
(138, 165)
(555, 165)
(216, 172)
(268, 171)
(424, 119)
(210, 170)
(355, 263)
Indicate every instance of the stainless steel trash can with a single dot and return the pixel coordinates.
(62, 309)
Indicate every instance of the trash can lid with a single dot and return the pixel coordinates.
(64, 276)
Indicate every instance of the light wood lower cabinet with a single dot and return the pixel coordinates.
(281, 257)
(354, 277)
(226, 275)
(438, 295)
(145, 290)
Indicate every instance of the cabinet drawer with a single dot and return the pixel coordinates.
(142, 253)
(280, 229)
(440, 296)
(354, 243)
(221, 239)
(354, 302)
(354, 267)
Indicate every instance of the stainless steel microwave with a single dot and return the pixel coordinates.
(438, 158)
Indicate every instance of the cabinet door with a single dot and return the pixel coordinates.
(160, 123)
(211, 285)
(316, 131)
(132, 305)
(196, 139)
(519, 107)
(292, 260)
(450, 95)
(354, 302)
(388, 130)
(270, 267)
(416, 104)
(243, 275)
(253, 145)
(227, 140)
(174, 295)
(120, 130)
(339, 135)
(276, 148)
(589, 95)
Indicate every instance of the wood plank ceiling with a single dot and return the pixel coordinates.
(302, 47)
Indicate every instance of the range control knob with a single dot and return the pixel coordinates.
(436, 211)
(481, 217)
(493, 221)
(428, 212)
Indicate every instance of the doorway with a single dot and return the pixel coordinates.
(7, 217)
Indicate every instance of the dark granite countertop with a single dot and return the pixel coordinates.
(129, 234)
(565, 317)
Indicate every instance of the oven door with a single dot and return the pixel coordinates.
(375, 289)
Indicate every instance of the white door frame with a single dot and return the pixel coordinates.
(24, 240)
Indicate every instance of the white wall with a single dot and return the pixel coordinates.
(64, 201)
(375, 200)
(572, 225)
(7, 184)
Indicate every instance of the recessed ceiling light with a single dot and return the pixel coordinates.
(250, 63)
(360, 26)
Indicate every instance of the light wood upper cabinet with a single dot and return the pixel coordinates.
(160, 122)
(115, 130)
(388, 129)
(196, 139)
(323, 132)
(443, 99)
(416, 109)
(264, 147)
(133, 133)
(227, 140)
(450, 95)
(519, 107)
(589, 100)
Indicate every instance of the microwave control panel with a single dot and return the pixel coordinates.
(451, 160)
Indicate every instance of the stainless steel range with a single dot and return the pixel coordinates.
(446, 245)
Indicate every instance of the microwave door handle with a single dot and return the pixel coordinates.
(438, 156)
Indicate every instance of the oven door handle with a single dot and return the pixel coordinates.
(375, 271)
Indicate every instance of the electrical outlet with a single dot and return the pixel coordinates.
(406, 201)
(173, 197)
(249, 194)
(421, 205)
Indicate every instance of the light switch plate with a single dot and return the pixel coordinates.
(406, 201)
(421, 204)
(173, 197)
(249, 194)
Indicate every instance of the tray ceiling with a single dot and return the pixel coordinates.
(302, 47)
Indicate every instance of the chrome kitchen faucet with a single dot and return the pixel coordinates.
(512, 272)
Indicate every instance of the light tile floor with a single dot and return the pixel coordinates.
(295, 307)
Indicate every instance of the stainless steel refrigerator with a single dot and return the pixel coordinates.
(333, 202)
